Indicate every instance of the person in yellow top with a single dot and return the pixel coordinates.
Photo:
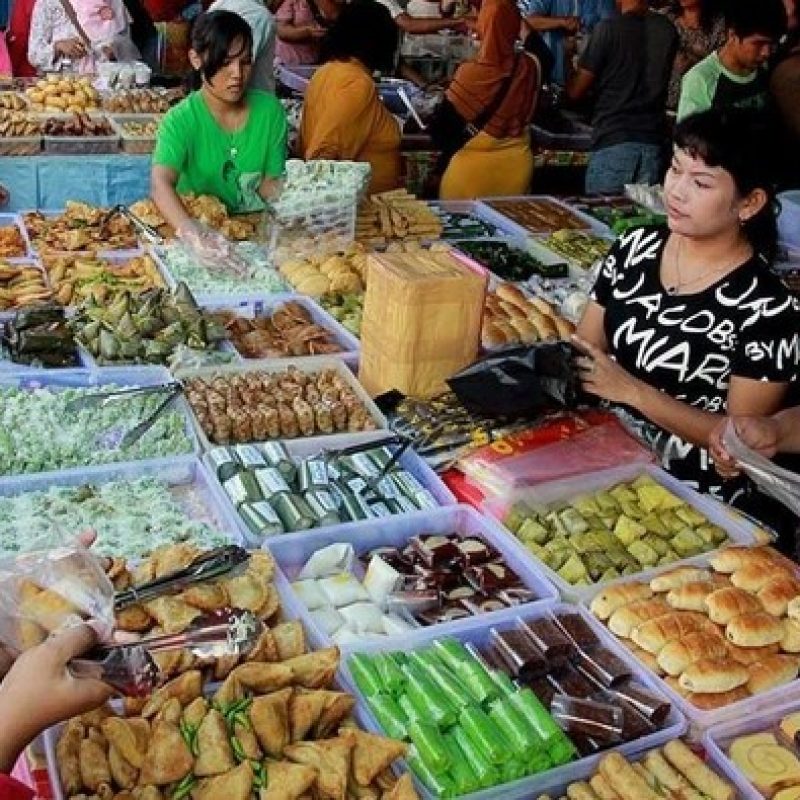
(343, 116)
(482, 125)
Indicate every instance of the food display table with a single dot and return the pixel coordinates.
(50, 181)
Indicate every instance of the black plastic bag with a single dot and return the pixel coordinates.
(523, 381)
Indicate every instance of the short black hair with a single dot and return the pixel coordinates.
(214, 34)
(364, 30)
(756, 17)
(742, 142)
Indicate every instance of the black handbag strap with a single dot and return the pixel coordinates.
(477, 125)
(73, 18)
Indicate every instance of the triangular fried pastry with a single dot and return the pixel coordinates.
(193, 713)
(168, 663)
(172, 614)
(356, 792)
(214, 753)
(206, 596)
(249, 741)
(265, 650)
(290, 639)
(269, 716)
(315, 670)
(331, 759)
(171, 557)
(147, 793)
(234, 785)
(263, 678)
(122, 771)
(134, 619)
(93, 765)
(372, 754)
(96, 717)
(262, 565)
(223, 666)
(319, 711)
(129, 737)
(386, 780)
(403, 790)
(68, 757)
(171, 711)
(287, 781)
(271, 605)
(230, 691)
(184, 688)
(168, 758)
(246, 592)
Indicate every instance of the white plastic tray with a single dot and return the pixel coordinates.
(396, 532)
(188, 479)
(311, 364)
(717, 739)
(505, 231)
(302, 448)
(532, 786)
(739, 531)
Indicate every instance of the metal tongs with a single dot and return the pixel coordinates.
(207, 566)
(142, 228)
(402, 443)
(401, 93)
(122, 438)
(132, 670)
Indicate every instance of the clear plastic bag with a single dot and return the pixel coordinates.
(773, 480)
(45, 591)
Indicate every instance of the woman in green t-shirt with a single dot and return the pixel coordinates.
(224, 139)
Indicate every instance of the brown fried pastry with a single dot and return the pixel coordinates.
(372, 754)
(93, 765)
(214, 752)
(287, 781)
(331, 759)
(263, 678)
(68, 750)
(168, 758)
(290, 639)
(129, 737)
(269, 716)
(184, 688)
(314, 670)
(234, 785)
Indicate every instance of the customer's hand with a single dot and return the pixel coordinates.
(758, 433)
(602, 376)
(39, 691)
(316, 32)
(70, 48)
(571, 25)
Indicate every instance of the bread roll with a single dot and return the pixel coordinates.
(675, 685)
(752, 655)
(754, 630)
(677, 577)
(791, 636)
(543, 306)
(710, 675)
(771, 672)
(527, 332)
(754, 577)
(731, 559)
(676, 656)
(776, 595)
(723, 605)
(710, 701)
(602, 788)
(512, 294)
(564, 327)
(624, 779)
(492, 336)
(655, 634)
(625, 619)
(609, 600)
(690, 596)
(648, 659)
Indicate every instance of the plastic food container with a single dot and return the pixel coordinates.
(717, 739)
(533, 786)
(20, 145)
(302, 448)
(261, 308)
(492, 214)
(60, 380)
(291, 552)
(476, 210)
(312, 364)
(188, 481)
(130, 143)
(15, 220)
(565, 490)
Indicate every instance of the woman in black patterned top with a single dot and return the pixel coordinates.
(687, 322)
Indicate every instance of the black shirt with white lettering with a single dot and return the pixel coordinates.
(688, 346)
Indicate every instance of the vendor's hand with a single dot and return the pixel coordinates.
(602, 376)
(758, 433)
(316, 32)
(39, 691)
(211, 249)
(69, 48)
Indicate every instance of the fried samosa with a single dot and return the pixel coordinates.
(184, 688)
(122, 771)
(265, 650)
(68, 750)
(290, 639)
(269, 716)
(206, 596)
(168, 758)
(403, 790)
(331, 759)
(134, 619)
(214, 752)
(314, 670)
(372, 754)
(93, 765)
(129, 737)
(172, 614)
(262, 565)
(248, 741)
(171, 711)
(320, 711)
(234, 785)
(246, 592)
(263, 678)
(193, 713)
(287, 781)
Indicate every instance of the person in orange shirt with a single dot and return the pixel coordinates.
(487, 110)
(343, 116)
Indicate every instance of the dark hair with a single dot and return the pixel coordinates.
(364, 30)
(756, 17)
(213, 35)
(709, 11)
(741, 142)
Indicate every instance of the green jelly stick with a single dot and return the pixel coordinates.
(440, 783)
(389, 673)
(389, 715)
(463, 776)
(365, 675)
(428, 741)
(537, 716)
(428, 698)
(485, 734)
(487, 775)
(522, 738)
(409, 709)
(450, 686)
